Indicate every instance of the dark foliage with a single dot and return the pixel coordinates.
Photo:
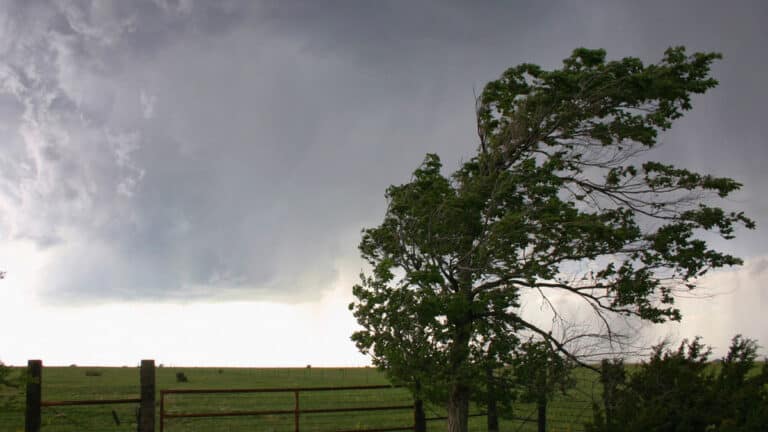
(681, 391)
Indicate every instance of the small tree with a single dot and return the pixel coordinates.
(742, 392)
(499, 391)
(541, 372)
(556, 200)
(612, 375)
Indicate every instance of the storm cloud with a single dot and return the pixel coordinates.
(194, 150)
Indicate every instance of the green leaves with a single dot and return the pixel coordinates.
(606, 102)
(554, 199)
(665, 178)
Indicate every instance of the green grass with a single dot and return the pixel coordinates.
(566, 413)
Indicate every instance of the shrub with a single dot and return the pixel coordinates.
(10, 386)
(181, 377)
(92, 373)
(681, 391)
(5, 373)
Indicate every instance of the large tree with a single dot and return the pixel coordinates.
(561, 198)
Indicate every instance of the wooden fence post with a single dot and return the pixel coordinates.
(296, 411)
(419, 419)
(34, 395)
(147, 404)
(541, 406)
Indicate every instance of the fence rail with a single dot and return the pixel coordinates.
(275, 389)
(290, 410)
(89, 402)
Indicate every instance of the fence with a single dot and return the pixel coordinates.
(332, 409)
(296, 412)
(146, 401)
(35, 403)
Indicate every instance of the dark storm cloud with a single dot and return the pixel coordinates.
(198, 150)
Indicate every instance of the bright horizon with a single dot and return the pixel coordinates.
(192, 334)
(281, 335)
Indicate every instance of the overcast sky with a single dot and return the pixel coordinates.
(187, 180)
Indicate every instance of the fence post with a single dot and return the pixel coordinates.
(541, 406)
(162, 411)
(296, 411)
(34, 395)
(419, 419)
(147, 404)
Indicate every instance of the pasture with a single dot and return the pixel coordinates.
(567, 413)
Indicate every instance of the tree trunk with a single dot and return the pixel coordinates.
(458, 409)
(493, 413)
(542, 407)
(458, 398)
(419, 419)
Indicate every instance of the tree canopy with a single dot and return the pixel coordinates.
(560, 198)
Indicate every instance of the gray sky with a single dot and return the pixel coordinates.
(194, 151)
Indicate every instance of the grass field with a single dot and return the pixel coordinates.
(566, 413)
